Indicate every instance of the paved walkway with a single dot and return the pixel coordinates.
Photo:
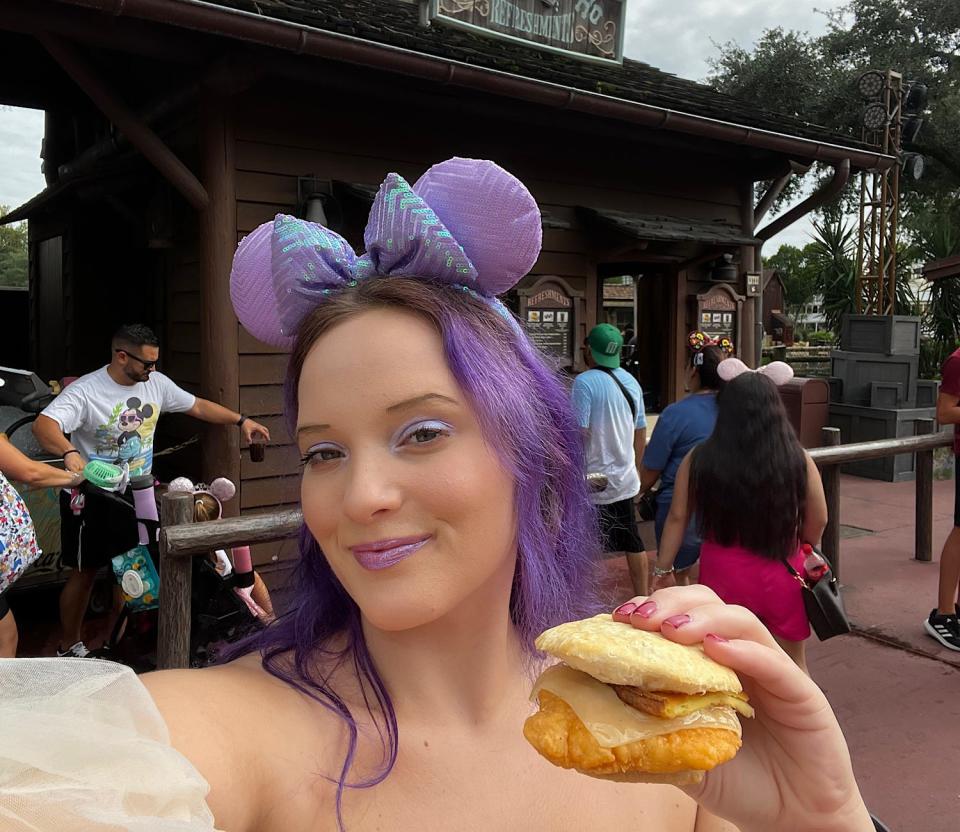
(896, 692)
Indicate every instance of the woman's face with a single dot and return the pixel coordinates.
(408, 502)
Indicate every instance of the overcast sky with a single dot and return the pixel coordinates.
(675, 35)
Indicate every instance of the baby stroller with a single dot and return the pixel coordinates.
(219, 613)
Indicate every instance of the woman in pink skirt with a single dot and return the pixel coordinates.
(758, 496)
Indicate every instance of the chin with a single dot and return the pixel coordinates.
(395, 610)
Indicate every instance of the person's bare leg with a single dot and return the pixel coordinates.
(682, 577)
(639, 568)
(116, 608)
(261, 595)
(73, 604)
(796, 650)
(949, 573)
(8, 636)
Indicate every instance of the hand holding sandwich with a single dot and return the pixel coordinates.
(793, 771)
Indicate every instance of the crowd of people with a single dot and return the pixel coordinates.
(447, 522)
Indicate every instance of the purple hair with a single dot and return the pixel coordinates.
(524, 411)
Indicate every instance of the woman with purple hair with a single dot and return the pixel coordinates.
(446, 524)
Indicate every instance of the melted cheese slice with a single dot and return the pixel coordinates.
(612, 722)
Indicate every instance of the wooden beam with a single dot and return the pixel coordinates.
(219, 352)
(879, 448)
(830, 474)
(923, 471)
(189, 540)
(173, 633)
(140, 136)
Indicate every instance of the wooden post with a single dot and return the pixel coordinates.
(830, 474)
(173, 637)
(924, 495)
(219, 333)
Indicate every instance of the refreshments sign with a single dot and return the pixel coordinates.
(587, 29)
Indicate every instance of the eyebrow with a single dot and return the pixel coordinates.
(407, 403)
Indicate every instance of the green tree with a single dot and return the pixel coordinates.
(13, 252)
(798, 271)
(814, 78)
(936, 236)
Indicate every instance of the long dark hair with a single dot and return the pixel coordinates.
(710, 357)
(749, 479)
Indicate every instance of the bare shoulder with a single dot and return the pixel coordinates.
(244, 730)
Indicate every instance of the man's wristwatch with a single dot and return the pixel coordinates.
(241, 420)
(659, 573)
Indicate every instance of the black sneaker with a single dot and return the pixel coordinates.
(944, 628)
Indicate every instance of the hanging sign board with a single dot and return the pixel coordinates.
(717, 313)
(591, 30)
(549, 322)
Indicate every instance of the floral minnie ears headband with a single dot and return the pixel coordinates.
(777, 371)
(466, 223)
(699, 341)
(221, 489)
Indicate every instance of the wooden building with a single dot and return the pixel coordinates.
(175, 127)
(777, 325)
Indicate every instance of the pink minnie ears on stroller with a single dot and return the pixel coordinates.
(465, 222)
(221, 488)
(777, 371)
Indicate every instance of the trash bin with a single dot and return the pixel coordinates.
(807, 401)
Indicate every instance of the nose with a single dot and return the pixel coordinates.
(374, 487)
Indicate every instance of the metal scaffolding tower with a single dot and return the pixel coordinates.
(876, 284)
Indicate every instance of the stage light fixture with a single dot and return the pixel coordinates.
(870, 84)
(913, 165)
(875, 116)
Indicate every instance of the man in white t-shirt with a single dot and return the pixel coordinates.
(609, 405)
(111, 414)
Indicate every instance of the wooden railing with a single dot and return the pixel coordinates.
(832, 455)
(181, 539)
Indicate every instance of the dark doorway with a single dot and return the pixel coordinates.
(636, 299)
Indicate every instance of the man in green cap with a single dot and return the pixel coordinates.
(609, 405)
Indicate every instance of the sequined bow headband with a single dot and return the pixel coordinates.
(777, 371)
(465, 222)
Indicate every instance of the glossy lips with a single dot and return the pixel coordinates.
(385, 553)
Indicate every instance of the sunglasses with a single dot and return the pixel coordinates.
(147, 365)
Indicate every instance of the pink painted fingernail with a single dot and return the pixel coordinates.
(715, 638)
(625, 609)
(646, 609)
(677, 621)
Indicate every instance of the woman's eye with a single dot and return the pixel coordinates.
(425, 434)
(315, 456)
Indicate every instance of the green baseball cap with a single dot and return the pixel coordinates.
(605, 343)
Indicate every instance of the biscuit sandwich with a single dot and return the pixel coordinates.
(626, 704)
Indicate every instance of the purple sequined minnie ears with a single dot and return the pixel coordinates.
(466, 222)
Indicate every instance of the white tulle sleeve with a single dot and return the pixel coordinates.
(83, 747)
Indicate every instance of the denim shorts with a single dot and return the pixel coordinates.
(689, 552)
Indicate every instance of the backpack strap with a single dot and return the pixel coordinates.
(626, 395)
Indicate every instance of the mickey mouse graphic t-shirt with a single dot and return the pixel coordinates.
(116, 422)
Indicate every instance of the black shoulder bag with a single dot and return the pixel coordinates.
(823, 603)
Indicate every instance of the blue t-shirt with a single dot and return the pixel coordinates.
(681, 427)
(602, 409)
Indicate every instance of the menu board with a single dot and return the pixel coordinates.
(548, 320)
(717, 312)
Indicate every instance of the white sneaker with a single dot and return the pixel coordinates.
(77, 651)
